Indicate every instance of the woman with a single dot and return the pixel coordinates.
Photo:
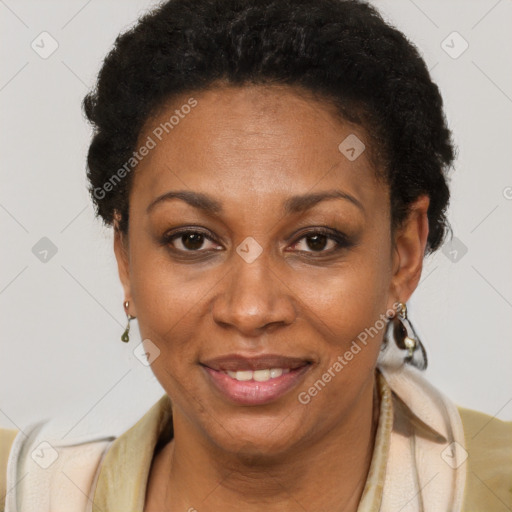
(275, 173)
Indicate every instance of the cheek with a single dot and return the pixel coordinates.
(349, 298)
(164, 299)
(349, 317)
(348, 312)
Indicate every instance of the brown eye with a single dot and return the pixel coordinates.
(323, 241)
(192, 241)
(189, 241)
(317, 242)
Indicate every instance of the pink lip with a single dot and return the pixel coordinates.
(252, 392)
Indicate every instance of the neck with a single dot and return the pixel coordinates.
(328, 474)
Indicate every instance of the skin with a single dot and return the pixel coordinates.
(251, 148)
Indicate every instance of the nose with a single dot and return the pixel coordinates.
(254, 298)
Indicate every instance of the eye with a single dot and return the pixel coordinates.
(322, 240)
(188, 240)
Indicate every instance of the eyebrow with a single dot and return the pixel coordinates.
(196, 199)
(297, 204)
(294, 204)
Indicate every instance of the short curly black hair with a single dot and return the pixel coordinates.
(341, 50)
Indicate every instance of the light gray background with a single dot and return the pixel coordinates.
(61, 320)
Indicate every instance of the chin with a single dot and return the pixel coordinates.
(261, 439)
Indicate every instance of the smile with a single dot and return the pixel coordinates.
(254, 380)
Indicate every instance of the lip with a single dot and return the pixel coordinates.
(253, 392)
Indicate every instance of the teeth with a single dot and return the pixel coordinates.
(261, 375)
(243, 375)
(277, 372)
(258, 375)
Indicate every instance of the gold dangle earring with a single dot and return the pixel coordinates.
(125, 336)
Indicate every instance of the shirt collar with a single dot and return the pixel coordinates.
(125, 469)
(372, 492)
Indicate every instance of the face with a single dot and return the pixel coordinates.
(257, 253)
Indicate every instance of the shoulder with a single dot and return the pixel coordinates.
(489, 462)
(6, 440)
(61, 472)
(44, 470)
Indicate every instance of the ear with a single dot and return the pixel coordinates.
(123, 261)
(410, 241)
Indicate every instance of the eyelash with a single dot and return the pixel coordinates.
(341, 240)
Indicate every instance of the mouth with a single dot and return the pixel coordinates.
(255, 380)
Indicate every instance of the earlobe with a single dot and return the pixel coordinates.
(409, 250)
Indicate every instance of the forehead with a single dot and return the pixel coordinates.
(253, 143)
